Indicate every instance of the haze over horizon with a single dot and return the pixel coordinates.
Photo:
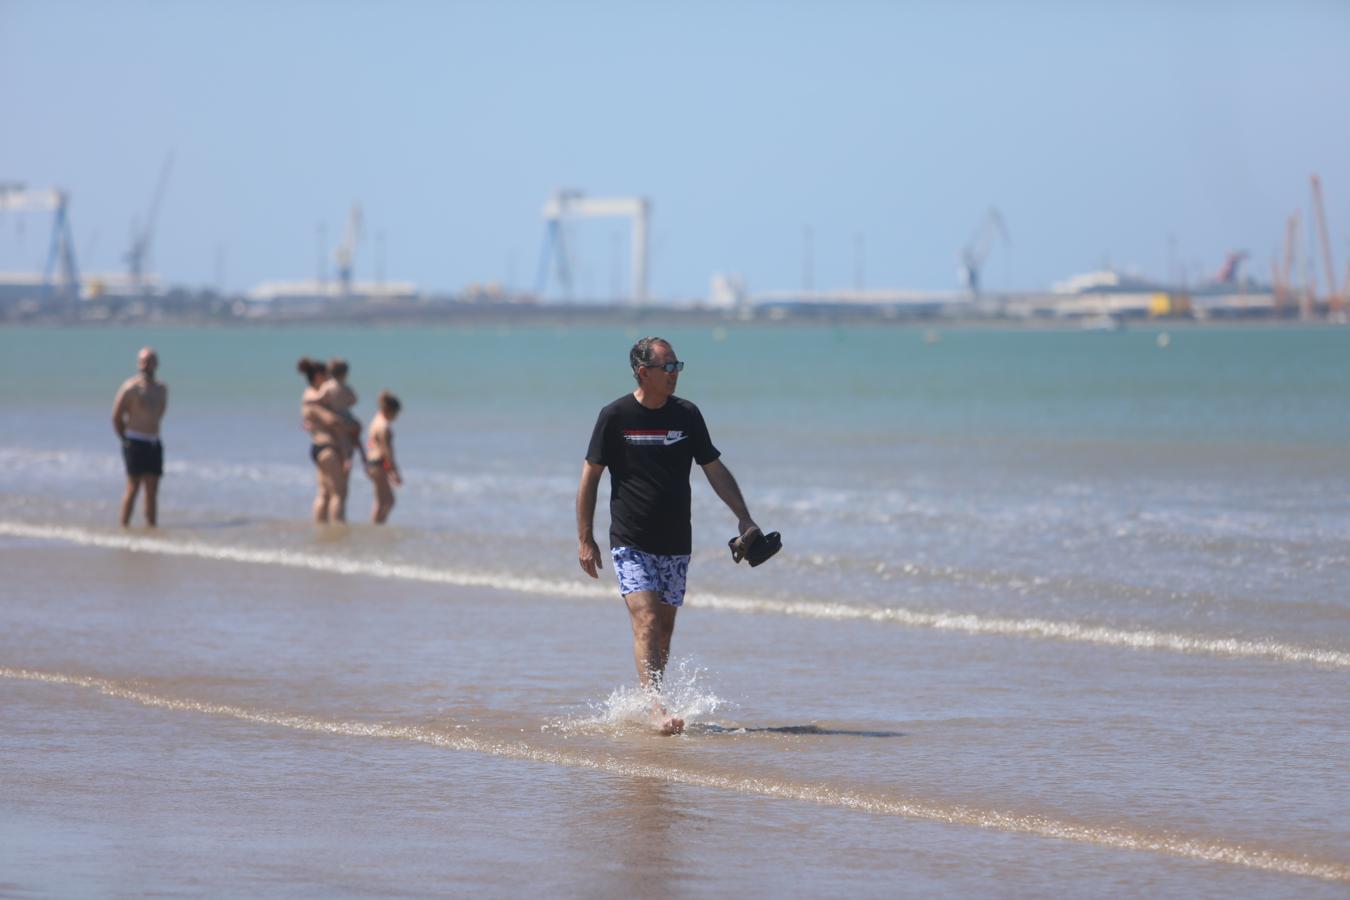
(1151, 137)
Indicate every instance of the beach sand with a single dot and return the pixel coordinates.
(185, 725)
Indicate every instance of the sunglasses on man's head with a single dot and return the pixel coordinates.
(668, 368)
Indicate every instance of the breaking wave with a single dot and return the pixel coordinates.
(960, 623)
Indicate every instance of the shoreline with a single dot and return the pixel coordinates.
(625, 316)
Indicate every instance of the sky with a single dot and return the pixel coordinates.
(836, 144)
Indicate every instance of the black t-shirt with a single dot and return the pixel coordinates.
(649, 453)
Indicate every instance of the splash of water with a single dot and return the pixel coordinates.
(683, 693)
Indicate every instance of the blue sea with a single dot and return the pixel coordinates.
(1057, 611)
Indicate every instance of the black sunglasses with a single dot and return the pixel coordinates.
(666, 367)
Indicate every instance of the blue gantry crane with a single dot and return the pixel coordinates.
(16, 197)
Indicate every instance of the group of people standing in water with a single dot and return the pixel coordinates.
(335, 440)
(325, 412)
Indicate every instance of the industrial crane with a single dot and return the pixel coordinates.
(138, 256)
(555, 248)
(977, 249)
(564, 205)
(15, 197)
(1333, 296)
(345, 253)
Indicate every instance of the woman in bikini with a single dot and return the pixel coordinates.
(380, 463)
(326, 431)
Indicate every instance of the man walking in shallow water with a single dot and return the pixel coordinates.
(649, 440)
(137, 411)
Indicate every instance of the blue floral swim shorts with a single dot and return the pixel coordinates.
(639, 571)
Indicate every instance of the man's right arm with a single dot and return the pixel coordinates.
(588, 552)
(119, 412)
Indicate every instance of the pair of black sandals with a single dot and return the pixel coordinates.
(754, 546)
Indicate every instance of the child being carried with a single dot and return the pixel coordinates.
(336, 396)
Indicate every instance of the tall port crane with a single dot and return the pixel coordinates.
(1333, 296)
(15, 197)
(138, 255)
(345, 254)
(564, 205)
(977, 249)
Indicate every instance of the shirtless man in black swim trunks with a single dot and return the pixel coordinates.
(137, 411)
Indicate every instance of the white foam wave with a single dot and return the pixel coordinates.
(961, 623)
(969, 623)
(300, 560)
(1196, 848)
(84, 465)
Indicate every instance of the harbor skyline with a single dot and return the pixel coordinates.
(812, 146)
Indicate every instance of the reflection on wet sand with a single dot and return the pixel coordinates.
(637, 828)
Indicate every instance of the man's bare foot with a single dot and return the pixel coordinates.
(669, 725)
(665, 723)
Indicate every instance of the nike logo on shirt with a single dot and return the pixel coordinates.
(664, 438)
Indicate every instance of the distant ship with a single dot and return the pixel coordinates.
(1228, 281)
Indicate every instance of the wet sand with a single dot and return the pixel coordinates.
(182, 724)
